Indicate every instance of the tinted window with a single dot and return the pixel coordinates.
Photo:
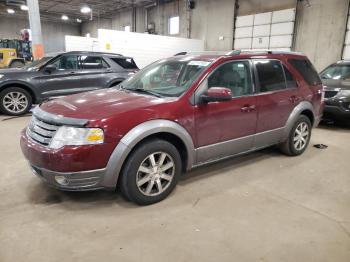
(126, 63)
(67, 62)
(271, 75)
(235, 76)
(92, 62)
(290, 81)
(306, 69)
(1, 56)
(336, 72)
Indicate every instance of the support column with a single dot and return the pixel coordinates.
(35, 27)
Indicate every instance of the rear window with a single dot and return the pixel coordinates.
(271, 75)
(307, 70)
(126, 63)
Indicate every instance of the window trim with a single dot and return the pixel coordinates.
(203, 86)
(258, 92)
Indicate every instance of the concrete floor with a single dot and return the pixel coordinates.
(260, 207)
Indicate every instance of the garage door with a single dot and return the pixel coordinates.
(346, 51)
(271, 30)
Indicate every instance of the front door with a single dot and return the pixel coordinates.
(63, 81)
(226, 128)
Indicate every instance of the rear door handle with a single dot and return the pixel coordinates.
(294, 99)
(248, 108)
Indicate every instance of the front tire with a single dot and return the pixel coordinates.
(299, 137)
(15, 101)
(151, 172)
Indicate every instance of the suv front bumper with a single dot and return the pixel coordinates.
(71, 181)
(335, 108)
(73, 169)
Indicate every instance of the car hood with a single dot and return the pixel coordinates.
(15, 73)
(336, 84)
(102, 104)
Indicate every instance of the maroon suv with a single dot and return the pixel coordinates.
(172, 116)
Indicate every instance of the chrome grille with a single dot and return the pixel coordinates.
(40, 131)
(330, 93)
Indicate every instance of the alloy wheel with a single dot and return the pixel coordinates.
(155, 173)
(301, 136)
(15, 102)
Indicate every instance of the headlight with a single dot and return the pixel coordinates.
(1, 76)
(74, 136)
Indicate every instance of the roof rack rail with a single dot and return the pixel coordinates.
(260, 51)
(202, 53)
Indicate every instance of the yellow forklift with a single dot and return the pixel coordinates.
(15, 53)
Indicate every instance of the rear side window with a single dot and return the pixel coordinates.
(290, 81)
(92, 62)
(270, 74)
(307, 70)
(126, 63)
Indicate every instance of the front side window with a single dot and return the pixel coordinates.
(336, 72)
(92, 62)
(270, 74)
(233, 75)
(166, 78)
(67, 62)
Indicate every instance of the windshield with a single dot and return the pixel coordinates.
(37, 64)
(337, 72)
(166, 78)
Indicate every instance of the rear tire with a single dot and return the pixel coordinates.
(15, 101)
(151, 172)
(298, 138)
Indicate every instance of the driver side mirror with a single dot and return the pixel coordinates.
(217, 94)
(50, 68)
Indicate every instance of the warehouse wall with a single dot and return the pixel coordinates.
(92, 26)
(321, 30)
(53, 33)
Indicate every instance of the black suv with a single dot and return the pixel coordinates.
(60, 75)
(336, 80)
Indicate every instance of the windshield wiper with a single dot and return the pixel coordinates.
(141, 90)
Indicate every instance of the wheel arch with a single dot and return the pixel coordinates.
(20, 85)
(163, 129)
(303, 108)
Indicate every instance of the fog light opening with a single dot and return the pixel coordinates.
(62, 180)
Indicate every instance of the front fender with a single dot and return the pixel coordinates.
(137, 134)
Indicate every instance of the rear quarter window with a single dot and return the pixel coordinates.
(307, 70)
(126, 63)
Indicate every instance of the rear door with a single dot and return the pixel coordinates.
(277, 95)
(226, 128)
(94, 71)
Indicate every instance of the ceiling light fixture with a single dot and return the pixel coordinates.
(10, 11)
(24, 8)
(64, 17)
(79, 20)
(85, 9)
